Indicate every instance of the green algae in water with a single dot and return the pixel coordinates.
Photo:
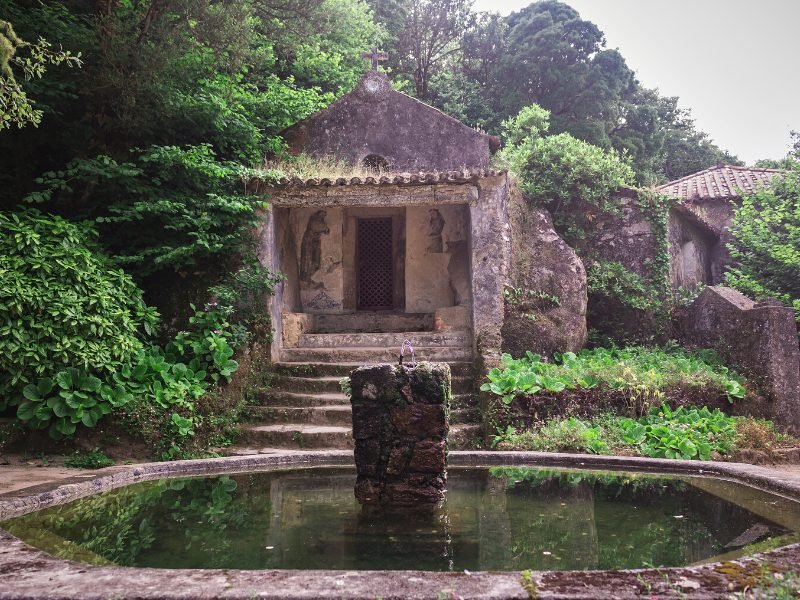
(508, 518)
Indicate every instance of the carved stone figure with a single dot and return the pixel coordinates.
(435, 227)
(311, 247)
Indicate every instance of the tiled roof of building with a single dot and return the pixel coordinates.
(432, 178)
(722, 181)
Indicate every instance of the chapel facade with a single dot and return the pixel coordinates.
(418, 251)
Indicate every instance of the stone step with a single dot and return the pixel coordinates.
(459, 401)
(306, 368)
(392, 341)
(297, 435)
(366, 355)
(272, 397)
(330, 384)
(337, 415)
(260, 438)
(464, 416)
(381, 322)
(464, 437)
(286, 383)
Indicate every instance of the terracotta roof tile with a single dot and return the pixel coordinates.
(434, 177)
(722, 181)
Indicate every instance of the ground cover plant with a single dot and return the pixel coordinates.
(644, 374)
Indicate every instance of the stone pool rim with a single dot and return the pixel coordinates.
(26, 572)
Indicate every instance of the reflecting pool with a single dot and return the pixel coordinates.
(501, 518)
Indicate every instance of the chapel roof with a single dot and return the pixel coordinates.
(722, 181)
(421, 178)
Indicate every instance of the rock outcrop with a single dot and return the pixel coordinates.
(545, 304)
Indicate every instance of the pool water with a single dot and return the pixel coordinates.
(499, 519)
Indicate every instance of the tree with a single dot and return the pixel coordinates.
(791, 158)
(432, 32)
(31, 61)
(559, 61)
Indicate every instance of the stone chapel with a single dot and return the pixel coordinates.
(418, 251)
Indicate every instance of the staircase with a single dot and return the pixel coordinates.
(304, 406)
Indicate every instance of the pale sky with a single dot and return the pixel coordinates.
(734, 63)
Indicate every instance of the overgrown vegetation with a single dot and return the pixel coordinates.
(554, 170)
(68, 322)
(684, 433)
(643, 401)
(644, 375)
(93, 459)
(766, 242)
(774, 586)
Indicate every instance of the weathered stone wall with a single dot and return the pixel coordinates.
(545, 304)
(400, 427)
(491, 263)
(757, 338)
(624, 236)
(375, 120)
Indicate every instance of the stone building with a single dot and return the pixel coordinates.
(700, 221)
(421, 250)
(421, 246)
(418, 251)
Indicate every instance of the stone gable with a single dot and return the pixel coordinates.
(376, 123)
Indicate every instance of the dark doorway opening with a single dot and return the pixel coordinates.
(375, 260)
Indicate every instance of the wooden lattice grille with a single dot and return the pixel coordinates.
(375, 276)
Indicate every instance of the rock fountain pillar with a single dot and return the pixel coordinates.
(400, 425)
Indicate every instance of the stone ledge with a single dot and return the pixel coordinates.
(29, 573)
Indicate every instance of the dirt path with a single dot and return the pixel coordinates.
(20, 471)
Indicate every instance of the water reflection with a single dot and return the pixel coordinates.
(493, 519)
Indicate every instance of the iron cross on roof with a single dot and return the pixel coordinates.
(375, 56)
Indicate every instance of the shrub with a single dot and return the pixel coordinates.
(94, 459)
(557, 169)
(68, 319)
(563, 435)
(168, 208)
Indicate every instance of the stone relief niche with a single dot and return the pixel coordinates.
(438, 258)
(435, 227)
(319, 256)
